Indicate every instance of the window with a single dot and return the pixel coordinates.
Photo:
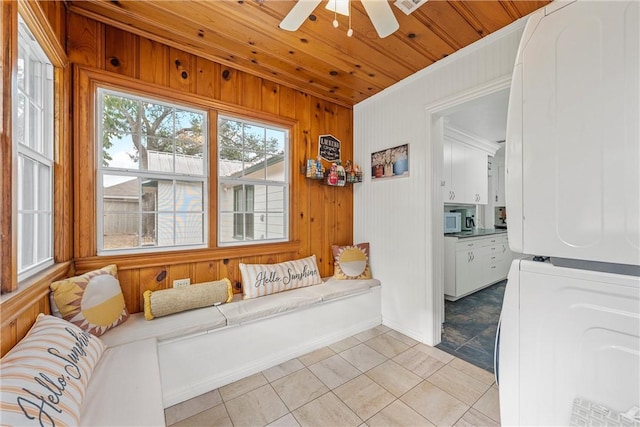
(253, 182)
(33, 141)
(153, 174)
(243, 222)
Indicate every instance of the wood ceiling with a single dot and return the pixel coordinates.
(318, 59)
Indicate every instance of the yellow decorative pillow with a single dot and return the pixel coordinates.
(45, 375)
(351, 262)
(168, 301)
(93, 301)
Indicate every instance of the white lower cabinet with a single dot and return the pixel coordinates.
(474, 263)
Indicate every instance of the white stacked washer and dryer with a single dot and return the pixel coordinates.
(569, 335)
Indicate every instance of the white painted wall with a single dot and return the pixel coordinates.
(393, 214)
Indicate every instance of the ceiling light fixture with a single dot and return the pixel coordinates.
(343, 7)
(379, 11)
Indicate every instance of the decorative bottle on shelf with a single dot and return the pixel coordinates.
(342, 176)
(310, 168)
(319, 170)
(332, 179)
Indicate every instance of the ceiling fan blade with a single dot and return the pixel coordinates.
(296, 16)
(381, 16)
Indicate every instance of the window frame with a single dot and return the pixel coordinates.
(86, 79)
(42, 155)
(158, 176)
(234, 182)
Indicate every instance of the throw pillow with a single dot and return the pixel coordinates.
(45, 375)
(168, 301)
(93, 301)
(351, 262)
(264, 279)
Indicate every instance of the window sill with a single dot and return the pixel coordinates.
(30, 288)
(130, 261)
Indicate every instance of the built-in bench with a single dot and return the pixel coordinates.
(148, 366)
(151, 365)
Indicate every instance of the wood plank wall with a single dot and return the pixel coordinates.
(320, 215)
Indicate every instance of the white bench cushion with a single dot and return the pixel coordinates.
(125, 388)
(242, 311)
(175, 325)
(332, 289)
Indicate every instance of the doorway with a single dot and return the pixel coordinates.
(470, 106)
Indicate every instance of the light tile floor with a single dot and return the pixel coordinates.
(376, 378)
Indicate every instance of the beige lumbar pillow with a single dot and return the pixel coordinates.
(170, 301)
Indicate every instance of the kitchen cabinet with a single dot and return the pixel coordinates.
(465, 178)
(498, 181)
(476, 177)
(473, 263)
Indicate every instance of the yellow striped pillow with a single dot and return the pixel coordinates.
(264, 279)
(45, 375)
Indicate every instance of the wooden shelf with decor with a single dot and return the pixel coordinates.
(348, 179)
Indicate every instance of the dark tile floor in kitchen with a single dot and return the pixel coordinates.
(470, 326)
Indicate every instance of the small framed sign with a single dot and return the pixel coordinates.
(329, 148)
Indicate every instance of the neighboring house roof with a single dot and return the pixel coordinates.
(274, 160)
(229, 167)
(159, 161)
(123, 190)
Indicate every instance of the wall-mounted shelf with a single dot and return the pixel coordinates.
(349, 179)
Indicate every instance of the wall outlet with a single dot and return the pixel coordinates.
(181, 283)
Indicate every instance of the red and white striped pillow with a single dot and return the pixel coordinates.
(45, 375)
(264, 279)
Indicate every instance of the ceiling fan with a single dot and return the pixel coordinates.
(379, 12)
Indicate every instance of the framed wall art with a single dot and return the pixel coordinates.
(390, 163)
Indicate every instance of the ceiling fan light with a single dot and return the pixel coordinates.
(339, 6)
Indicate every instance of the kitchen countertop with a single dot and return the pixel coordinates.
(477, 233)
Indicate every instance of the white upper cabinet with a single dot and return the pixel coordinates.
(455, 173)
(465, 174)
(573, 143)
(500, 179)
(477, 178)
